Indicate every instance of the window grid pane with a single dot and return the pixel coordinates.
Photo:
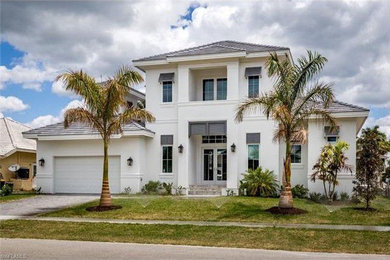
(221, 89)
(167, 91)
(253, 86)
(208, 89)
(167, 159)
(296, 153)
(253, 156)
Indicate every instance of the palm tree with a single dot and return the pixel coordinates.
(105, 109)
(291, 102)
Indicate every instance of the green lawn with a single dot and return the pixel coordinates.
(267, 238)
(12, 197)
(244, 209)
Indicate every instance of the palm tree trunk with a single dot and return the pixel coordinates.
(286, 199)
(105, 197)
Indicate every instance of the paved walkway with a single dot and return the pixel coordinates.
(62, 249)
(206, 223)
(42, 203)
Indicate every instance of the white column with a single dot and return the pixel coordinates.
(183, 83)
(233, 81)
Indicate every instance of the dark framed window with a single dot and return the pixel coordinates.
(332, 139)
(253, 156)
(296, 153)
(167, 92)
(167, 158)
(214, 139)
(221, 89)
(253, 86)
(208, 89)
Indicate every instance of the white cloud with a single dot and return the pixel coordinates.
(58, 87)
(11, 104)
(383, 123)
(51, 119)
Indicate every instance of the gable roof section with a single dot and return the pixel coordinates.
(220, 47)
(11, 138)
(77, 129)
(342, 107)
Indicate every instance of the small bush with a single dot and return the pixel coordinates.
(127, 190)
(259, 182)
(168, 188)
(151, 187)
(299, 191)
(229, 192)
(335, 196)
(315, 196)
(179, 190)
(6, 190)
(344, 196)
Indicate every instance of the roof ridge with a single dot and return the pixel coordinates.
(351, 105)
(259, 45)
(230, 47)
(9, 133)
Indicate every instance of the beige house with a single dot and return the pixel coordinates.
(17, 155)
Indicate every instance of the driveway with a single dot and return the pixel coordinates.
(41, 203)
(57, 249)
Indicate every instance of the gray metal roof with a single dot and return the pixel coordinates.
(216, 48)
(78, 129)
(342, 107)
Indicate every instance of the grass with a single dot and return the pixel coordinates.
(16, 196)
(242, 209)
(266, 238)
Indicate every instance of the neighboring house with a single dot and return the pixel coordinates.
(18, 152)
(195, 141)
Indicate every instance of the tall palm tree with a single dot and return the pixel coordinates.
(295, 97)
(105, 109)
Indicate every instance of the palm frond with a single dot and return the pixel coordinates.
(130, 114)
(81, 115)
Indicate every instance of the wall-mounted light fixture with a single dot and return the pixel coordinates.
(130, 161)
(233, 148)
(41, 162)
(181, 147)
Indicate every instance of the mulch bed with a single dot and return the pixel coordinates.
(106, 208)
(364, 209)
(283, 211)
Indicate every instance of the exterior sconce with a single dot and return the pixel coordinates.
(130, 161)
(181, 147)
(41, 162)
(233, 148)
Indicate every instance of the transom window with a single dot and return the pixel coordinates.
(296, 153)
(214, 139)
(253, 156)
(208, 89)
(167, 159)
(221, 89)
(167, 92)
(253, 86)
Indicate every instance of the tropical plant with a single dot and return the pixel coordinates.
(151, 187)
(104, 110)
(315, 196)
(6, 190)
(168, 188)
(294, 98)
(259, 182)
(299, 191)
(344, 196)
(331, 161)
(179, 190)
(372, 146)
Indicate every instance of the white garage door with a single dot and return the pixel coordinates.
(84, 174)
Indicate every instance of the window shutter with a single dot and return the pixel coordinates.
(217, 128)
(166, 139)
(253, 138)
(252, 71)
(166, 77)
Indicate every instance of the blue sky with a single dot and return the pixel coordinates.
(99, 36)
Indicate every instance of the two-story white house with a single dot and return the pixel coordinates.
(195, 141)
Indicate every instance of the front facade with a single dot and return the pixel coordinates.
(195, 140)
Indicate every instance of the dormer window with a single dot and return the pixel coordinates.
(331, 134)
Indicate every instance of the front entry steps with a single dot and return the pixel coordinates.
(204, 190)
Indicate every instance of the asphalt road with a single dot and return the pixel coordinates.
(57, 249)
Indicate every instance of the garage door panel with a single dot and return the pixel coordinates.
(84, 174)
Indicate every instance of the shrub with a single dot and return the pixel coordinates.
(127, 190)
(179, 190)
(6, 190)
(344, 196)
(259, 182)
(151, 187)
(299, 191)
(315, 196)
(168, 188)
(335, 196)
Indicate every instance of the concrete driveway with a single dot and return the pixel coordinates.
(57, 249)
(40, 204)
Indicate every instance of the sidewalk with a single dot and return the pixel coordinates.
(206, 223)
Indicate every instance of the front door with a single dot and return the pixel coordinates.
(214, 166)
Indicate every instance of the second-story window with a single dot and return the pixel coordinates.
(296, 153)
(167, 92)
(221, 89)
(208, 89)
(253, 86)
